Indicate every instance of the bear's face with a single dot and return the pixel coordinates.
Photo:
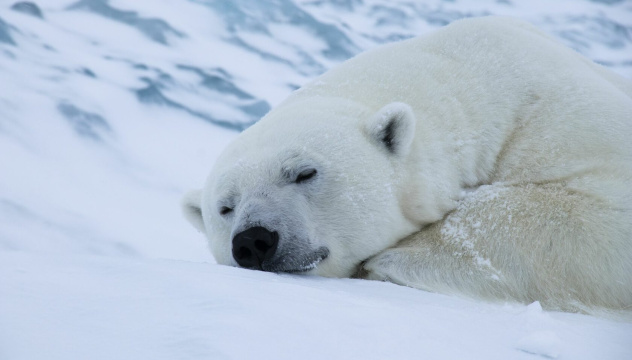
(309, 195)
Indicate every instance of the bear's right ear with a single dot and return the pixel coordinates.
(192, 208)
(393, 127)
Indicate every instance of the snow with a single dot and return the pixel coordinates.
(111, 110)
(544, 343)
(113, 308)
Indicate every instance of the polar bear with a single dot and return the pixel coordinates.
(484, 160)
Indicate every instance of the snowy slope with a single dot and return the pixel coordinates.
(111, 110)
(108, 308)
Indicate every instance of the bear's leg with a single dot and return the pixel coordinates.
(525, 243)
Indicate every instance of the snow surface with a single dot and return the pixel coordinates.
(113, 308)
(111, 110)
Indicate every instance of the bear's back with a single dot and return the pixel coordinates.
(533, 109)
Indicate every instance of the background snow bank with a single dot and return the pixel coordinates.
(111, 110)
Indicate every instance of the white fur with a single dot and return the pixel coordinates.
(511, 153)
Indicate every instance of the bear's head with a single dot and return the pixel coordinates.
(316, 186)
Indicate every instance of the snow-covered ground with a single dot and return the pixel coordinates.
(111, 308)
(111, 110)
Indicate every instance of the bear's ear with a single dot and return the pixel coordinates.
(393, 127)
(192, 208)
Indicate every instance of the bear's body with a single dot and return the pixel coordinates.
(511, 153)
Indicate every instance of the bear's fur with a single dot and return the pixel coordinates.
(485, 160)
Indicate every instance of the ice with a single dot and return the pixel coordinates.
(156, 29)
(5, 36)
(86, 124)
(28, 8)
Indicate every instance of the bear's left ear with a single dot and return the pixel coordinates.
(192, 208)
(393, 127)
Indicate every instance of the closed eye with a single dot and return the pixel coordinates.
(225, 210)
(305, 175)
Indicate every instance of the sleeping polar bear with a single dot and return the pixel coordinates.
(484, 160)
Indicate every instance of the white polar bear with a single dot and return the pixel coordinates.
(484, 159)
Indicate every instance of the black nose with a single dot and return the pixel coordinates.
(252, 246)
